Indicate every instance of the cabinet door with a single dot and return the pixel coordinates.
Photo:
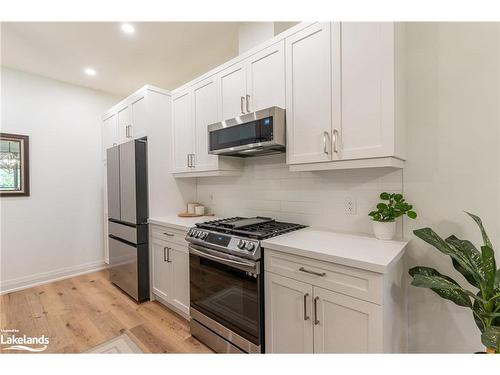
(288, 312)
(345, 324)
(204, 113)
(124, 125)
(266, 78)
(109, 133)
(183, 131)
(367, 89)
(180, 278)
(162, 274)
(139, 118)
(309, 95)
(232, 91)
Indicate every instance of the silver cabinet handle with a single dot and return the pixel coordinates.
(168, 234)
(248, 103)
(193, 160)
(168, 255)
(335, 140)
(164, 254)
(325, 135)
(127, 131)
(305, 306)
(188, 160)
(242, 99)
(302, 269)
(316, 321)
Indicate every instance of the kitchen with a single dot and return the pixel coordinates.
(258, 206)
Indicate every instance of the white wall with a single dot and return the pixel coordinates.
(57, 229)
(267, 188)
(453, 163)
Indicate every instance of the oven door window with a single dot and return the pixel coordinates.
(227, 295)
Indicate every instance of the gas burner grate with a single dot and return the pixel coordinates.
(257, 228)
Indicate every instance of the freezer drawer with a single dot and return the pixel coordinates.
(136, 234)
(129, 268)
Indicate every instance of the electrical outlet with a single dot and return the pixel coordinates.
(350, 206)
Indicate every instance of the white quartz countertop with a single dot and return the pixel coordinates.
(181, 223)
(360, 251)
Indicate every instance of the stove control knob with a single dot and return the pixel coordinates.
(199, 234)
(241, 244)
(203, 235)
(191, 233)
(250, 246)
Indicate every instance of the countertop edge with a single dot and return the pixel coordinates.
(349, 262)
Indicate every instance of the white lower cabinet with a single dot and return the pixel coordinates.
(302, 316)
(288, 325)
(344, 324)
(170, 269)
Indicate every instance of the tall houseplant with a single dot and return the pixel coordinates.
(478, 268)
(384, 217)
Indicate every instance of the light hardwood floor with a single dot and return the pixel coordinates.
(82, 312)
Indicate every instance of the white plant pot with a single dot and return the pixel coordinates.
(384, 230)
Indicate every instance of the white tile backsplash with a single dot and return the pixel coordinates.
(268, 188)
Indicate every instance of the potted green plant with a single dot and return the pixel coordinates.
(384, 217)
(478, 268)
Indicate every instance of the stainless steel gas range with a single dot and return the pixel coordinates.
(227, 281)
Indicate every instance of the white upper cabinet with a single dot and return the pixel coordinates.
(110, 132)
(266, 78)
(124, 124)
(232, 91)
(183, 131)
(139, 112)
(255, 83)
(204, 113)
(309, 99)
(367, 90)
(366, 127)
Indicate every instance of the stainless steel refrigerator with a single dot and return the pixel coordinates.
(127, 217)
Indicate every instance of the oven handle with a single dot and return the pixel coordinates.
(243, 266)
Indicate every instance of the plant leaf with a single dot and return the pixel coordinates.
(473, 256)
(489, 268)
(497, 279)
(412, 214)
(479, 222)
(398, 197)
(455, 295)
(381, 206)
(442, 283)
(491, 338)
(385, 196)
(432, 238)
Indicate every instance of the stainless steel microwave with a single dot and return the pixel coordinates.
(257, 133)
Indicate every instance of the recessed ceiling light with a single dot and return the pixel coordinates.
(128, 28)
(90, 71)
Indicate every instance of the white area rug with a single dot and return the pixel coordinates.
(120, 344)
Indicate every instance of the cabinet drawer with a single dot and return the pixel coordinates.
(354, 282)
(168, 234)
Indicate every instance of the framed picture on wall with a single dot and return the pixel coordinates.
(14, 165)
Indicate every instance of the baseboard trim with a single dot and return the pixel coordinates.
(13, 285)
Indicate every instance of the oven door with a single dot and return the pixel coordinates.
(228, 290)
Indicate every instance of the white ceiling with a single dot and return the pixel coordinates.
(164, 54)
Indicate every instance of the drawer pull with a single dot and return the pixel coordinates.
(168, 234)
(302, 269)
